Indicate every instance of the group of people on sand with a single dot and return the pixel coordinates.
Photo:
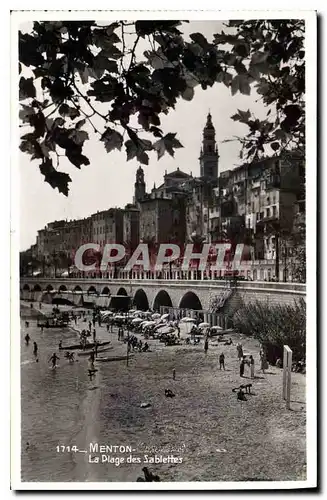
(135, 344)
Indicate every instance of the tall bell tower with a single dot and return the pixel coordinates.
(209, 151)
(139, 186)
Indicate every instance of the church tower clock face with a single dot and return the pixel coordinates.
(209, 151)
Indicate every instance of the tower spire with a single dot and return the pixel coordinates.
(139, 186)
(209, 151)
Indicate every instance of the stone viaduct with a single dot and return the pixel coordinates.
(154, 293)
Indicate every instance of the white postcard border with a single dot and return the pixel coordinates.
(311, 130)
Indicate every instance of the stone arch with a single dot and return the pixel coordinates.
(37, 288)
(122, 291)
(140, 300)
(48, 288)
(190, 301)
(26, 287)
(162, 299)
(77, 289)
(92, 289)
(62, 288)
(105, 291)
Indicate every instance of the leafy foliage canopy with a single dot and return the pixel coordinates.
(79, 73)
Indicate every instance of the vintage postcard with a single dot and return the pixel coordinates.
(162, 287)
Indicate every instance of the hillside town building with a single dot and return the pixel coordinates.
(259, 204)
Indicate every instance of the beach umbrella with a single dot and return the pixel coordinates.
(187, 320)
(166, 329)
(156, 316)
(145, 324)
(216, 328)
(204, 325)
(165, 316)
(137, 320)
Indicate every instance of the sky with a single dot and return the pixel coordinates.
(109, 179)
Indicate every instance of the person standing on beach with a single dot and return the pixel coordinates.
(252, 366)
(54, 358)
(96, 345)
(91, 366)
(239, 351)
(94, 335)
(206, 345)
(35, 348)
(242, 363)
(222, 361)
(27, 339)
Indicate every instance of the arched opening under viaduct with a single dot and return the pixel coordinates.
(92, 290)
(37, 288)
(162, 299)
(77, 289)
(140, 300)
(122, 291)
(26, 287)
(48, 288)
(62, 288)
(105, 291)
(190, 301)
(63, 300)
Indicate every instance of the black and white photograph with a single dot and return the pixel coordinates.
(165, 233)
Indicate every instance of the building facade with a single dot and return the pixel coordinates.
(257, 204)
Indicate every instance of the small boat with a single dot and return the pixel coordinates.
(79, 346)
(114, 358)
(87, 353)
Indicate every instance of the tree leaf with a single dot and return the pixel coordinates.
(76, 158)
(167, 143)
(259, 57)
(131, 149)
(112, 140)
(56, 179)
(244, 85)
(227, 79)
(63, 109)
(199, 39)
(78, 136)
(80, 124)
(188, 94)
(25, 113)
(235, 85)
(26, 88)
(244, 115)
(143, 158)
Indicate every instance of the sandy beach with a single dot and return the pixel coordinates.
(213, 436)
